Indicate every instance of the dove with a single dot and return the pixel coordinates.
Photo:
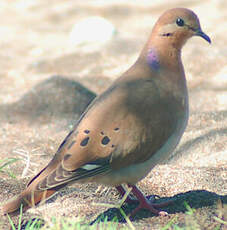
(131, 127)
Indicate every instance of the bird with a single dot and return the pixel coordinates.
(135, 124)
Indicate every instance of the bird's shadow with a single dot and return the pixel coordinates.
(195, 199)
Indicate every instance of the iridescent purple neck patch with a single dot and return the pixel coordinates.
(152, 59)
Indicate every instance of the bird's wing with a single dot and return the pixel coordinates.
(125, 125)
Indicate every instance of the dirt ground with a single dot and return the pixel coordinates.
(46, 83)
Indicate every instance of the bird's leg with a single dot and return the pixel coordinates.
(146, 204)
(122, 192)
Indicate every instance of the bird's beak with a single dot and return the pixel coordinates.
(203, 35)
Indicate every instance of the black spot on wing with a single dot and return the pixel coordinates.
(102, 133)
(86, 131)
(116, 129)
(105, 140)
(84, 142)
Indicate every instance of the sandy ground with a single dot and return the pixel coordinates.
(46, 83)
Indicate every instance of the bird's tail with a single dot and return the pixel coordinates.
(27, 199)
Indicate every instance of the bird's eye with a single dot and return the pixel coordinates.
(180, 22)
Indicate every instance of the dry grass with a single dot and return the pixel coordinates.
(37, 110)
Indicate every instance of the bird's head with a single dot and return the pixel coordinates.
(177, 25)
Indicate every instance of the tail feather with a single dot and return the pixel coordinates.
(27, 199)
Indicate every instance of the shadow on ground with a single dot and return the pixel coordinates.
(195, 199)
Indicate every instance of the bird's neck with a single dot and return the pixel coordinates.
(158, 60)
(162, 53)
(162, 62)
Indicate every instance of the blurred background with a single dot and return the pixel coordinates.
(56, 55)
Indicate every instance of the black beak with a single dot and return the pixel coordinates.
(203, 35)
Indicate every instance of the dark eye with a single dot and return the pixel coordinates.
(180, 22)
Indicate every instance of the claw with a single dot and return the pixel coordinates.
(146, 204)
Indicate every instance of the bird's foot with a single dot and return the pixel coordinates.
(147, 204)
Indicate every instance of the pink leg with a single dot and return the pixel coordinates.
(122, 192)
(146, 204)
